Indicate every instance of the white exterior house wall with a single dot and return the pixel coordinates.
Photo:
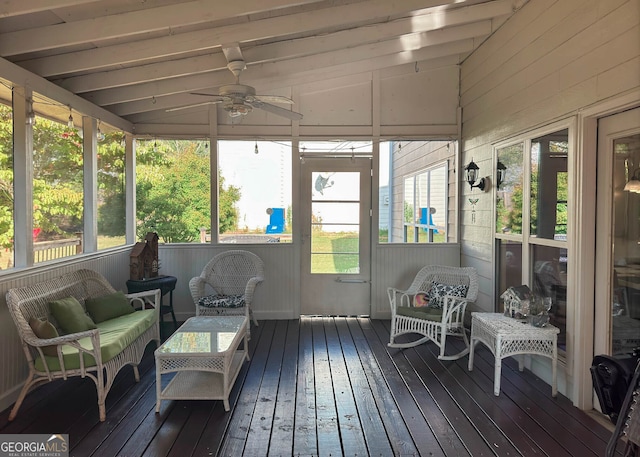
(547, 64)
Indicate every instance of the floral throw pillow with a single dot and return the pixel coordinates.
(222, 301)
(439, 291)
(420, 300)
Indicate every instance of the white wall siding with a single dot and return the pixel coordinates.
(276, 297)
(546, 63)
(549, 62)
(396, 265)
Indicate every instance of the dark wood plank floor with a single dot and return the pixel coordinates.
(324, 386)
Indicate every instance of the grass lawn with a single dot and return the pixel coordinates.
(333, 252)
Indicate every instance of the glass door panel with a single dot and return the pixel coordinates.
(618, 235)
(336, 204)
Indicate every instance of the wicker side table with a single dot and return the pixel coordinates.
(165, 283)
(205, 356)
(506, 337)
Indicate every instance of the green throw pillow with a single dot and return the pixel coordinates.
(44, 330)
(70, 315)
(108, 307)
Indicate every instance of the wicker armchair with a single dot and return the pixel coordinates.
(433, 306)
(227, 284)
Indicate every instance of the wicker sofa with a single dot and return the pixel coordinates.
(107, 348)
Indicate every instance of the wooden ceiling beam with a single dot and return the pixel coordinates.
(170, 46)
(312, 74)
(9, 8)
(163, 18)
(290, 67)
(286, 49)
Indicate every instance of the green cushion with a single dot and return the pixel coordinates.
(70, 315)
(115, 335)
(108, 306)
(421, 312)
(44, 330)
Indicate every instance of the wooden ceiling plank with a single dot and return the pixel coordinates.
(132, 23)
(204, 40)
(337, 76)
(10, 8)
(285, 68)
(144, 73)
(287, 49)
(331, 71)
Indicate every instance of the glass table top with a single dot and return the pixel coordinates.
(204, 334)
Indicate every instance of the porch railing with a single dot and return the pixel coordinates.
(56, 249)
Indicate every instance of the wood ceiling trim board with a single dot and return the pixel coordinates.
(9, 8)
(286, 68)
(155, 102)
(288, 49)
(204, 40)
(144, 73)
(132, 23)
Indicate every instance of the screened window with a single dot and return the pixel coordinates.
(425, 205)
(57, 186)
(254, 199)
(414, 192)
(111, 188)
(6, 187)
(173, 189)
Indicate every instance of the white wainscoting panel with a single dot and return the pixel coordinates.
(114, 265)
(276, 297)
(395, 265)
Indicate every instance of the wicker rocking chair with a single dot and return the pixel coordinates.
(433, 306)
(227, 284)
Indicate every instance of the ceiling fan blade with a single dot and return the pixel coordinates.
(274, 99)
(277, 110)
(193, 105)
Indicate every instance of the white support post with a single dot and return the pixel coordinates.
(130, 187)
(22, 178)
(90, 175)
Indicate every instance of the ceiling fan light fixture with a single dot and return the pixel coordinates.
(237, 109)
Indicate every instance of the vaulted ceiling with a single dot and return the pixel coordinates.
(142, 59)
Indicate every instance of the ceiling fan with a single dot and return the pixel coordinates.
(239, 99)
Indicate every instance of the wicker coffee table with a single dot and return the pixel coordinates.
(506, 336)
(205, 356)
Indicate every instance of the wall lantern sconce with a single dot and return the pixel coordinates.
(633, 185)
(501, 171)
(472, 176)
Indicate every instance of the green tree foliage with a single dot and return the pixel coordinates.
(6, 177)
(227, 199)
(111, 185)
(509, 212)
(173, 191)
(172, 185)
(57, 179)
